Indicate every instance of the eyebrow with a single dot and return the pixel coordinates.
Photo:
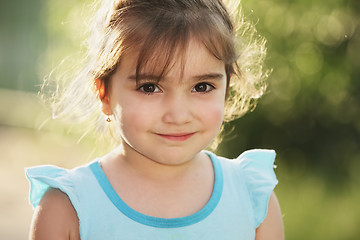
(144, 77)
(201, 77)
(209, 76)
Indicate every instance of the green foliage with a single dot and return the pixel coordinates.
(313, 210)
(22, 38)
(310, 113)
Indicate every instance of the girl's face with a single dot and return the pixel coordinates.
(172, 120)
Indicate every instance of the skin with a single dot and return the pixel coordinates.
(163, 126)
(55, 218)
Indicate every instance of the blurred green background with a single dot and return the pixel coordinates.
(310, 114)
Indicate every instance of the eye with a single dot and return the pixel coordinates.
(203, 87)
(149, 88)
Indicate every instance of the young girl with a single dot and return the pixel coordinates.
(167, 73)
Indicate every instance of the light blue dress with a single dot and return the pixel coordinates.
(236, 208)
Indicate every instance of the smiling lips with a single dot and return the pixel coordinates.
(176, 136)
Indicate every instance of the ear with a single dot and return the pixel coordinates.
(105, 104)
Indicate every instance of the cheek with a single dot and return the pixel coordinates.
(133, 114)
(213, 113)
(129, 124)
(217, 115)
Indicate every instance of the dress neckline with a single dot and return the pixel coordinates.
(162, 222)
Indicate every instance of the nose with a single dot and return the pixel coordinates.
(177, 109)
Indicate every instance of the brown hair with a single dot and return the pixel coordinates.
(123, 26)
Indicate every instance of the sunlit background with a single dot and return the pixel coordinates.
(310, 114)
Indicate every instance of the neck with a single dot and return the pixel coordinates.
(136, 163)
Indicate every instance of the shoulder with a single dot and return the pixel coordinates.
(254, 156)
(272, 227)
(68, 181)
(54, 218)
(254, 169)
(256, 163)
(56, 193)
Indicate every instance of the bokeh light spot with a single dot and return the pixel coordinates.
(309, 59)
(330, 31)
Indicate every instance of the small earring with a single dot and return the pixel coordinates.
(108, 118)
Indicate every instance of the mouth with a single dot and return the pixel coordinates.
(176, 136)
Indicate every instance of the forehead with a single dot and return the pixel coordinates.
(192, 58)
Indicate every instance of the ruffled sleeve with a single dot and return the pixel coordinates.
(43, 177)
(258, 170)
